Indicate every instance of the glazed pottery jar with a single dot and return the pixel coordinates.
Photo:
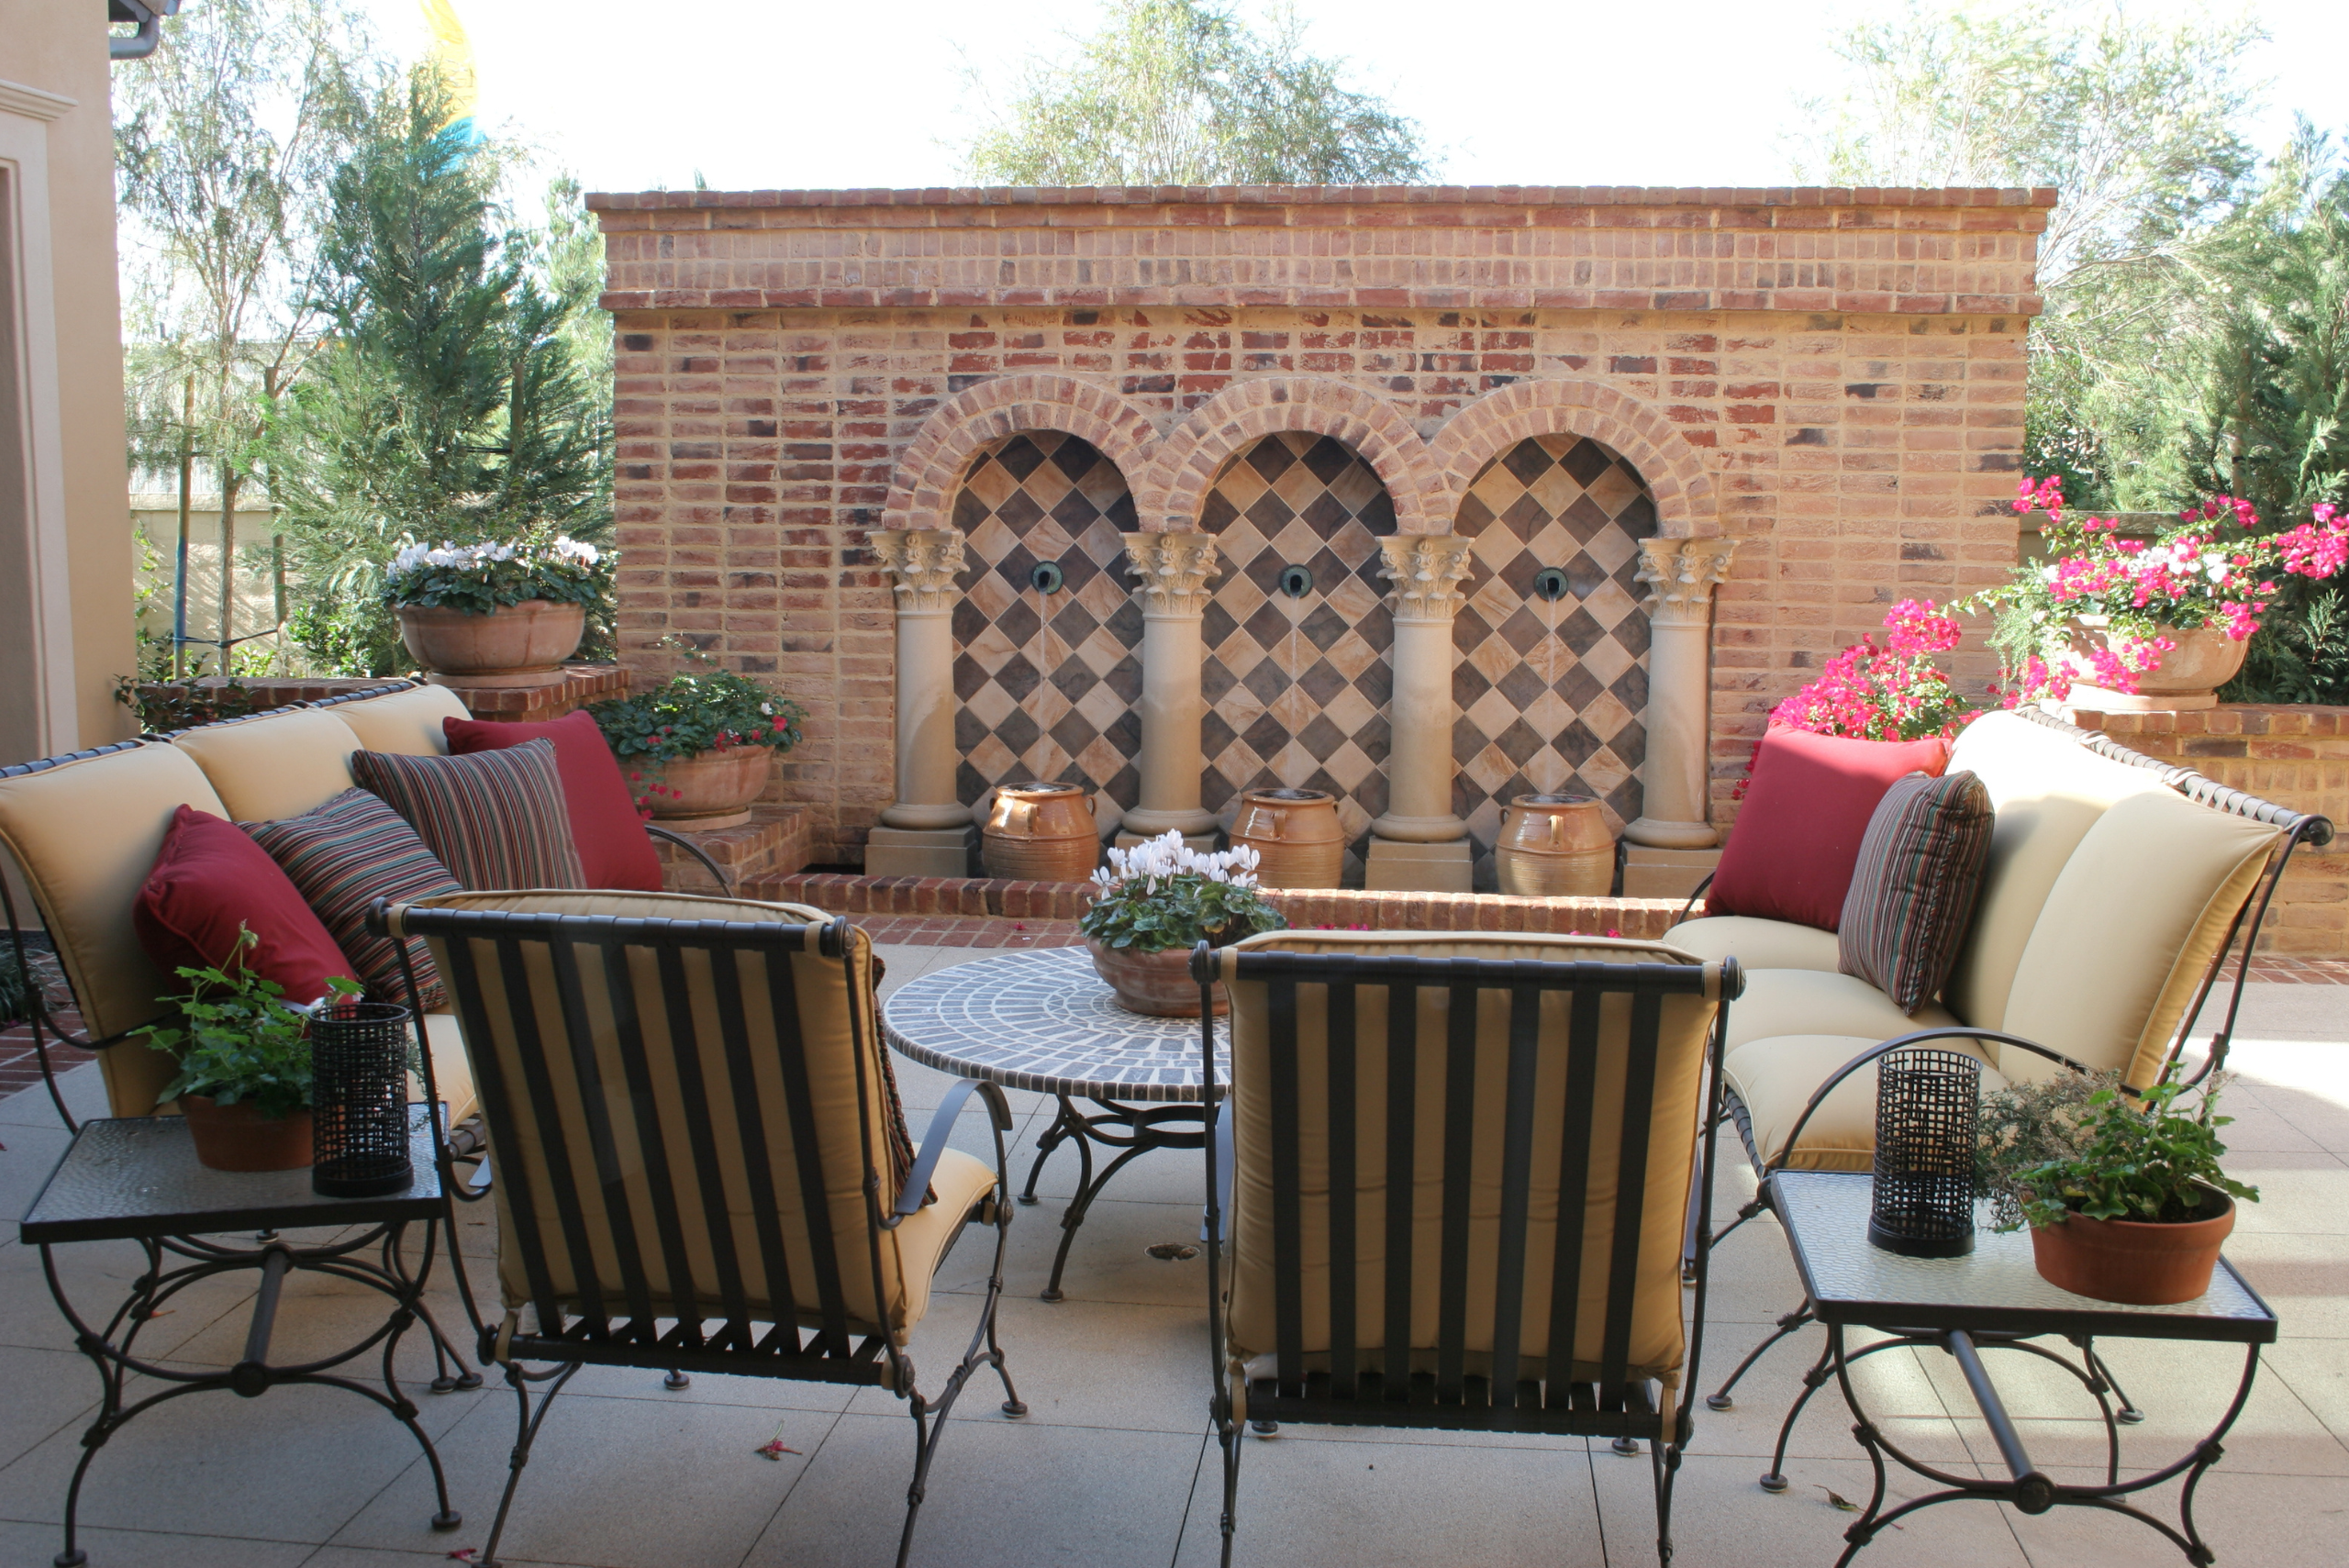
(515, 645)
(2186, 680)
(1555, 846)
(1040, 832)
(708, 789)
(1297, 835)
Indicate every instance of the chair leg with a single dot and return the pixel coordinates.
(675, 1380)
(1718, 1399)
(926, 1436)
(1666, 1460)
(1233, 1443)
(526, 1433)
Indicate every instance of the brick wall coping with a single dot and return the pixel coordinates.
(1339, 196)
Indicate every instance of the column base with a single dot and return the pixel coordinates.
(1393, 828)
(906, 816)
(1666, 835)
(931, 852)
(1665, 874)
(1203, 842)
(1148, 822)
(1395, 867)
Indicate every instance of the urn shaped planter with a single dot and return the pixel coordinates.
(2186, 680)
(515, 645)
(1555, 846)
(708, 789)
(1297, 835)
(1040, 832)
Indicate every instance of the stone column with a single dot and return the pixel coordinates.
(1174, 570)
(1419, 846)
(1679, 715)
(925, 831)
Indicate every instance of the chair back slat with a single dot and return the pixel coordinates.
(1402, 1176)
(1517, 1189)
(1288, 1230)
(1630, 1186)
(751, 1122)
(520, 1204)
(603, 1143)
(644, 1123)
(1345, 1055)
(1580, 1111)
(699, 1114)
(1458, 1160)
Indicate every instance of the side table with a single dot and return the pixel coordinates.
(138, 1179)
(1994, 1299)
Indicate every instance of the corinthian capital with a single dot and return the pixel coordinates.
(1427, 571)
(1683, 571)
(1174, 570)
(924, 563)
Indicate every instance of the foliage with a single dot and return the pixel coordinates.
(16, 987)
(2141, 1161)
(480, 578)
(1892, 692)
(709, 709)
(1161, 893)
(449, 403)
(165, 705)
(1183, 93)
(242, 1042)
(2028, 1124)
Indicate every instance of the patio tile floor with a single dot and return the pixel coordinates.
(1112, 1467)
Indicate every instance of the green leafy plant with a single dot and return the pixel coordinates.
(2028, 1124)
(165, 705)
(240, 1040)
(708, 709)
(1161, 893)
(479, 578)
(2133, 1159)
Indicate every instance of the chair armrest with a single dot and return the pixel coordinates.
(725, 883)
(1819, 1097)
(933, 1142)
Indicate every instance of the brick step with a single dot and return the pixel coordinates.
(773, 843)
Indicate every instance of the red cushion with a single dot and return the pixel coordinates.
(615, 851)
(209, 877)
(1799, 833)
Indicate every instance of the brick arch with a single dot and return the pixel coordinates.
(921, 487)
(1236, 417)
(1686, 498)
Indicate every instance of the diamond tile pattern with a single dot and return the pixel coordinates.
(1550, 695)
(1046, 684)
(1296, 688)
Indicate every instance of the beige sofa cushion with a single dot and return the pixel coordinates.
(2047, 791)
(406, 722)
(1756, 943)
(1775, 1077)
(1811, 1001)
(85, 835)
(451, 1073)
(279, 764)
(2129, 929)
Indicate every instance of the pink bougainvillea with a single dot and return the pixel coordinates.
(1892, 691)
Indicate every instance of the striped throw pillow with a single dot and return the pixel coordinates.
(342, 857)
(1914, 886)
(496, 818)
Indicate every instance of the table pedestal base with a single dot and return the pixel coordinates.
(1133, 1130)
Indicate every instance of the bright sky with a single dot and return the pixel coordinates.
(768, 93)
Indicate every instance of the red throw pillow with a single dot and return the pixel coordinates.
(210, 877)
(615, 851)
(1798, 834)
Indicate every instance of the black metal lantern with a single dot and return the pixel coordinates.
(359, 1099)
(1928, 1106)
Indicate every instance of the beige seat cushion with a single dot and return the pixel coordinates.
(1811, 1001)
(2130, 927)
(1775, 1077)
(279, 764)
(1756, 943)
(451, 1073)
(2047, 791)
(85, 835)
(405, 722)
(1656, 1342)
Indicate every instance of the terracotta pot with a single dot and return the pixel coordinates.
(519, 645)
(1040, 832)
(2136, 1262)
(1296, 833)
(239, 1138)
(1555, 846)
(1158, 983)
(2186, 680)
(708, 789)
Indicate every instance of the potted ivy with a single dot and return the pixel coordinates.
(1153, 903)
(697, 749)
(2124, 1196)
(485, 616)
(244, 1059)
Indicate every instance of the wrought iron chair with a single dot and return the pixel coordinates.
(1542, 1100)
(700, 1162)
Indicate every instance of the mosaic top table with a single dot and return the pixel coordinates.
(1040, 1019)
(1993, 1298)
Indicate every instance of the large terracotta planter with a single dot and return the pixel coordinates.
(1555, 846)
(239, 1138)
(1297, 834)
(708, 789)
(1157, 984)
(519, 645)
(1040, 832)
(2186, 680)
(2136, 1262)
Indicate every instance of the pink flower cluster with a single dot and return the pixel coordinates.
(1893, 692)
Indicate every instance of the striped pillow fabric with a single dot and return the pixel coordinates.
(496, 818)
(342, 857)
(1913, 889)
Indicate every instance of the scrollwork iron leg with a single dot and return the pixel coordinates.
(1065, 1124)
(1790, 1323)
(526, 1434)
